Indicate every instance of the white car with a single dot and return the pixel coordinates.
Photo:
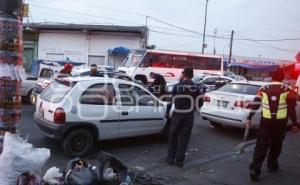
(211, 82)
(27, 88)
(231, 104)
(82, 110)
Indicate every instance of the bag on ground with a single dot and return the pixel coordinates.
(111, 171)
(79, 172)
(19, 157)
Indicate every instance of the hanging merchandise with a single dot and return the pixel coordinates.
(11, 59)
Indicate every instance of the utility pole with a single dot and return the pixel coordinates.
(215, 34)
(203, 43)
(147, 32)
(11, 59)
(231, 43)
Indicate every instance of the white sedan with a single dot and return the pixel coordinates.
(81, 110)
(231, 105)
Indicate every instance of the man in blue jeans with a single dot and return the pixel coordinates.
(184, 96)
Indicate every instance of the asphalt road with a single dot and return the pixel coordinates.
(143, 153)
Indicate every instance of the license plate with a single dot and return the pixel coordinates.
(222, 103)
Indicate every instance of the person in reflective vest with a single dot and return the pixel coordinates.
(278, 104)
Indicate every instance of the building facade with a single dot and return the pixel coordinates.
(260, 69)
(80, 43)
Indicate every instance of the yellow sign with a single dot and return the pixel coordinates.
(25, 10)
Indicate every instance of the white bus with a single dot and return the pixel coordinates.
(140, 63)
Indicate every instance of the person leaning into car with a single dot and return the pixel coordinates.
(184, 96)
(278, 103)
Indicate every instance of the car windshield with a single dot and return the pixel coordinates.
(247, 89)
(56, 91)
(134, 58)
(46, 73)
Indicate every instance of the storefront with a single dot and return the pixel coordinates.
(258, 68)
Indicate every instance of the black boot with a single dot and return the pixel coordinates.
(179, 164)
(273, 170)
(254, 175)
(170, 161)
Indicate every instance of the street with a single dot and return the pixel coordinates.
(210, 158)
(148, 153)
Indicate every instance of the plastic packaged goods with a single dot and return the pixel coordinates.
(19, 157)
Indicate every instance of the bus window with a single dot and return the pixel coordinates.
(145, 62)
(213, 64)
(200, 63)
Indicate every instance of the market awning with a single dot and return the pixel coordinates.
(255, 67)
(119, 51)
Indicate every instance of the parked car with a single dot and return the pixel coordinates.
(47, 72)
(27, 87)
(231, 105)
(81, 110)
(212, 82)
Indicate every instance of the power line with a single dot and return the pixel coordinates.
(172, 25)
(227, 38)
(68, 17)
(266, 45)
(182, 28)
(86, 14)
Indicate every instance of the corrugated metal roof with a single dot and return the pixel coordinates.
(91, 27)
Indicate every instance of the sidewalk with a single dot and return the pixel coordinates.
(232, 170)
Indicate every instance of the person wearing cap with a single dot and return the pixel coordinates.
(184, 96)
(278, 104)
(94, 70)
(66, 71)
(158, 87)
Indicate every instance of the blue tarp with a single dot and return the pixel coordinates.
(119, 51)
(255, 67)
(35, 66)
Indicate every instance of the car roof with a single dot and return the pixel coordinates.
(258, 83)
(218, 76)
(89, 78)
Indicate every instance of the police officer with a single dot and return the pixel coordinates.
(158, 87)
(66, 71)
(278, 103)
(183, 96)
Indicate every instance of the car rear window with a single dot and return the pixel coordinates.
(240, 89)
(56, 91)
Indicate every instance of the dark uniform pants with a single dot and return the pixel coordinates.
(180, 133)
(271, 134)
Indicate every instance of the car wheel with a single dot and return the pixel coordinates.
(27, 98)
(31, 97)
(215, 124)
(78, 143)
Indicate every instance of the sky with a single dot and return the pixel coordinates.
(256, 23)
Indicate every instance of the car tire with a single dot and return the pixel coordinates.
(215, 124)
(78, 143)
(28, 97)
